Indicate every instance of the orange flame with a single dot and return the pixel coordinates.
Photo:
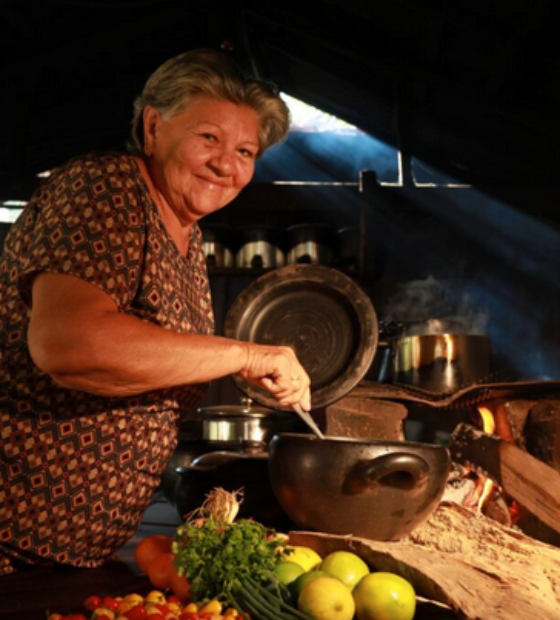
(488, 426)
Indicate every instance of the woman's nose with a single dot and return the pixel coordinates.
(222, 163)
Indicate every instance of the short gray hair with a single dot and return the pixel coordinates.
(178, 81)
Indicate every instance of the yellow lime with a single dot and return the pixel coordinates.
(288, 572)
(304, 556)
(327, 598)
(346, 566)
(384, 596)
(296, 587)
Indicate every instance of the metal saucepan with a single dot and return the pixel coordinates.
(442, 362)
(368, 488)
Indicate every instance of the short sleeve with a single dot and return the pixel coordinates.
(87, 221)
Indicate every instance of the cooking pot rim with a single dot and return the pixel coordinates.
(361, 441)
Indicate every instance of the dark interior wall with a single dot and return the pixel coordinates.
(452, 252)
(486, 260)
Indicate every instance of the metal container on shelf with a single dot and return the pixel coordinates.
(260, 247)
(313, 244)
(217, 245)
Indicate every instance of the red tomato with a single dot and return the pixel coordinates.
(181, 588)
(138, 612)
(110, 602)
(149, 548)
(92, 603)
(163, 609)
(161, 571)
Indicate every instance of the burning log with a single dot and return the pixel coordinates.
(475, 566)
(532, 483)
(542, 432)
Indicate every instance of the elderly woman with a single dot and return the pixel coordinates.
(106, 317)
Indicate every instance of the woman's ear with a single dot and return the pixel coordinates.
(150, 119)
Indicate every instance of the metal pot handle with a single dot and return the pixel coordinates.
(408, 471)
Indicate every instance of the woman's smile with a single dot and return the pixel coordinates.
(202, 158)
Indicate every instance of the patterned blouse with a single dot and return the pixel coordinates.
(77, 470)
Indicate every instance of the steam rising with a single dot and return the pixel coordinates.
(435, 307)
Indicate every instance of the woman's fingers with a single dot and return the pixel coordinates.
(278, 370)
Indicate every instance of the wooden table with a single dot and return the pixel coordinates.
(30, 594)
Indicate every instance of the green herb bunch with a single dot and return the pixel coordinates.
(217, 556)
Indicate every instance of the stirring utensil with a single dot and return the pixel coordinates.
(306, 417)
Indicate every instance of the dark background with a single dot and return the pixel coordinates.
(466, 90)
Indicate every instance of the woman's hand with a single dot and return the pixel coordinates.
(278, 370)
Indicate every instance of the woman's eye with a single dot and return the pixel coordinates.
(246, 153)
(209, 136)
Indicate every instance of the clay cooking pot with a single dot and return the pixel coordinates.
(367, 488)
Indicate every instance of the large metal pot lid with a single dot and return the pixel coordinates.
(244, 410)
(322, 314)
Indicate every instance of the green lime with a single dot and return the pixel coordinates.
(287, 572)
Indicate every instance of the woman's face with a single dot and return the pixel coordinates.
(200, 159)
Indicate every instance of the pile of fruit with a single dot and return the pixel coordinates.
(217, 568)
(155, 606)
(342, 587)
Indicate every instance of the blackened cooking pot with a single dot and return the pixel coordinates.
(232, 472)
(367, 488)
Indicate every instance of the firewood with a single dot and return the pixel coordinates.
(535, 485)
(542, 432)
(477, 567)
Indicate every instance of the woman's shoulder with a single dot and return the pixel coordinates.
(105, 163)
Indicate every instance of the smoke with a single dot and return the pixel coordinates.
(430, 306)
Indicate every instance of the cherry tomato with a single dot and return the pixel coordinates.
(149, 548)
(138, 612)
(92, 602)
(110, 602)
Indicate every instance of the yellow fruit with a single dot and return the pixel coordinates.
(384, 596)
(296, 587)
(304, 556)
(213, 607)
(327, 598)
(288, 572)
(103, 611)
(155, 596)
(346, 566)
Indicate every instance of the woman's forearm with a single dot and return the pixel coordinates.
(78, 337)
